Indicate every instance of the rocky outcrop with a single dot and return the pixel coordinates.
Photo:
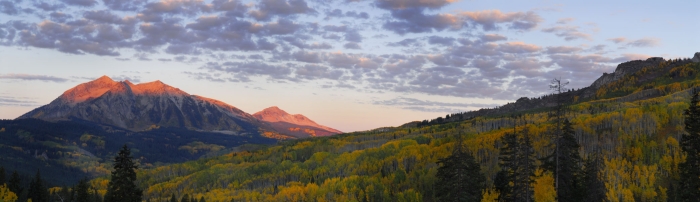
(697, 57)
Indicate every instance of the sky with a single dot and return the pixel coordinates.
(349, 64)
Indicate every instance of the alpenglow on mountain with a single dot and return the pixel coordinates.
(296, 125)
(144, 106)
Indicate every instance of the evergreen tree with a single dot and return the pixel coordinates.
(459, 177)
(507, 163)
(14, 184)
(2, 175)
(185, 198)
(172, 198)
(122, 187)
(515, 179)
(201, 199)
(82, 191)
(569, 165)
(690, 144)
(594, 187)
(37, 190)
(525, 170)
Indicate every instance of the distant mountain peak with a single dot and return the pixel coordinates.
(85, 91)
(156, 87)
(275, 115)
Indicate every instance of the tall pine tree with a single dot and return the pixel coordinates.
(516, 159)
(525, 170)
(82, 193)
(38, 192)
(14, 184)
(122, 187)
(459, 177)
(508, 164)
(569, 165)
(690, 144)
(593, 184)
(2, 175)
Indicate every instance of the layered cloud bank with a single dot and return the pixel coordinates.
(404, 46)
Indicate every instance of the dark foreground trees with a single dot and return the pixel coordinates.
(122, 187)
(459, 176)
(690, 144)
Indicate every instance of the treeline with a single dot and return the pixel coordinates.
(68, 151)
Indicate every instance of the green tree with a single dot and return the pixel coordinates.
(517, 162)
(569, 165)
(2, 175)
(525, 170)
(185, 198)
(459, 177)
(37, 190)
(201, 199)
(122, 187)
(690, 145)
(82, 193)
(172, 198)
(508, 164)
(593, 184)
(14, 184)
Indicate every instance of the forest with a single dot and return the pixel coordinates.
(635, 139)
(627, 143)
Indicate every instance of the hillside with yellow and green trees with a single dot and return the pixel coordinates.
(633, 135)
(623, 142)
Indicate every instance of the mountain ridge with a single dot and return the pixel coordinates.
(142, 106)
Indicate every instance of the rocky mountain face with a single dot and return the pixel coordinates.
(296, 125)
(145, 106)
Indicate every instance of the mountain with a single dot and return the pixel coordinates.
(145, 106)
(296, 125)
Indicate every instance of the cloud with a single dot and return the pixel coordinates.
(618, 39)
(30, 77)
(17, 101)
(569, 33)
(493, 37)
(135, 79)
(488, 20)
(269, 8)
(352, 45)
(430, 106)
(563, 49)
(518, 47)
(86, 3)
(204, 76)
(9, 8)
(645, 42)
